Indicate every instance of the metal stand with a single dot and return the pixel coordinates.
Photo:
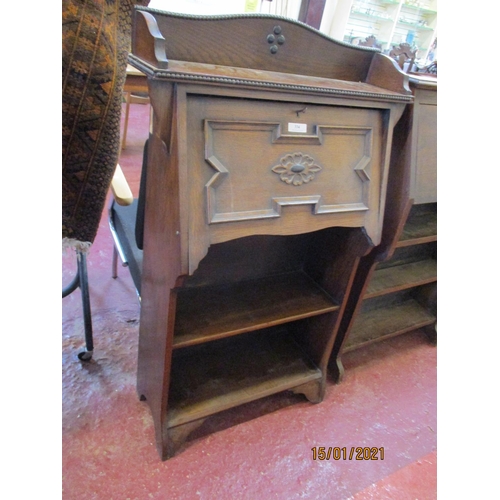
(81, 281)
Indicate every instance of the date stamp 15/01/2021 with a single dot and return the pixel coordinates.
(352, 453)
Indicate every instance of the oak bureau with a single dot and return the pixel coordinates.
(395, 287)
(267, 168)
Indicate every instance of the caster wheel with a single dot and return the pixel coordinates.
(85, 356)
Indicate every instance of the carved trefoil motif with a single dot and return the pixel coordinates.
(296, 169)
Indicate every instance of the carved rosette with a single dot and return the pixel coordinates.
(296, 169)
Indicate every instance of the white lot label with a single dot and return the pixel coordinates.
(297, 127)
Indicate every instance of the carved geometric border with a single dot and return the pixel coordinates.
(278, 202)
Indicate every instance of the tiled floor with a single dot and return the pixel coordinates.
(261, 450)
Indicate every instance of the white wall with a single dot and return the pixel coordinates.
(335, 18)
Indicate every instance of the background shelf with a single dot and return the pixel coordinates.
(381, 323)
(421, 226)
(355, 13)
(395, 278)
(394, 22)
(415, 26)
(421, 10)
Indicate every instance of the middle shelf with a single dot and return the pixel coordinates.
(212, 312)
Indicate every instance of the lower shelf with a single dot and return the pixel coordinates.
(385, 322)
(219, 375)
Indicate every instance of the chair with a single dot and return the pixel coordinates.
(122, 196)
(370, 41)
(404, 56)
(91, 64)
(430, 69)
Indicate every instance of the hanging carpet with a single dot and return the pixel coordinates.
(95, 46)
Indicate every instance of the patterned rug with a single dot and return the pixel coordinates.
(95, 45)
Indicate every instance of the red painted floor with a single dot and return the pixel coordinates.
(263, 450)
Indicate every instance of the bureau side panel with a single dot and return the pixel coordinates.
(424, 157)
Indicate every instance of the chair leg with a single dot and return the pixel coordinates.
(114, 265)
(81, 281)
(87, 315)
